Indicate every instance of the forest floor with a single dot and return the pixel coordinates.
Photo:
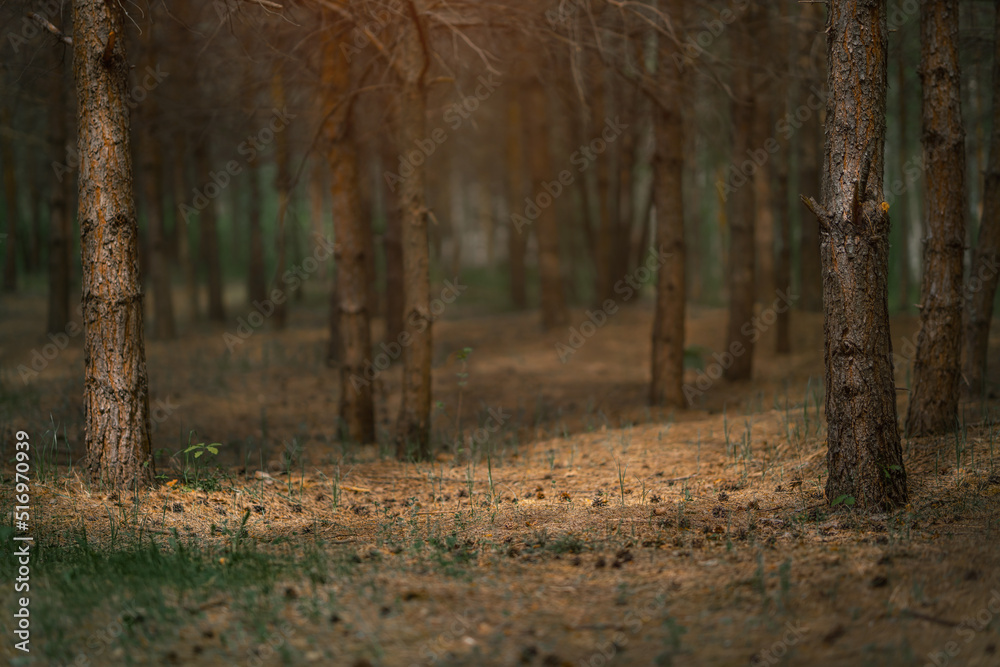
(580, 528)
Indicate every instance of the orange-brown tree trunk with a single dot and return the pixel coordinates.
(116, 396)
(864, 457)
(985, 267)
(936, 367)
(546, 225)
(743, 208)
(351, 250)
(668, 191)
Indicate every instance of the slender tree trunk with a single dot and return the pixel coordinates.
(554, 311)
(209, 239)
(392, 244)
(986, 254)
(282, 183)
(185, 258)
(10, 200)
(317, 209)
(516, 238)
(356, 412)
(60, 221)
(116, 397)
(864, 457)
(257, 274)
(152, 175)
(668, 191)
(413, 427)
(903, 214)
(937, 365)
(763, 128)
(811, 67)
(782, 206)
(743, 206)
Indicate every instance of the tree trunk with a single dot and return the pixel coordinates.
(152, 175)
(209, 239)
(668, 192)
(282, 182)
(937, 365)
(317, 209)
(763, 129)
(185, 258)
(116, 398)
(554, 312)
(811, 68)
(356, 411)
(902, 209)
(257, 275)
(986, 254)
(413, 427)
(60, 221)
(782, 206)
(864, 456)
(743, 206)
(516, 238)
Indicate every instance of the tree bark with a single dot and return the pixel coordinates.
(986, 254)
(864, 456)
(743, 207)
(116, 397)
(937, 365)
(668, 191)
(356, 410)
(413, 426)
(60, 221)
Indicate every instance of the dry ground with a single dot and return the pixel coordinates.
(586, 530)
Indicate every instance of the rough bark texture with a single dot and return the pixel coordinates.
(810, 142)
(413, 427)
(668, 191)
(209, 237)
(60, 221)
(743, 207)
(985, 267)
(937, 364)
(516, 240)
(158, 268)
(864, 456)
(356, 411)
(116, 399)
(553, 295)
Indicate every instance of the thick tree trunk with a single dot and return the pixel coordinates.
(668, 191)
(209, 239)
(413, 427)
(810, 143)
(351, 251)
(516, 238)
(937, 364)
(554, 311)
(743, 207)
(985, 267)
(60, 221)
(116, 398)
(864, 456)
